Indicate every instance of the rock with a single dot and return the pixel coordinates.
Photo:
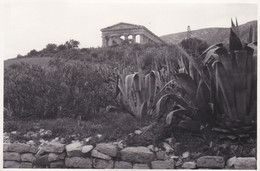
(42, 160)
(35, 135)
(160, 155)
(28, 157)
(5, 147)
(11, 164)
(42, 131)
(87, 148)
(137, 154)
(123, 165)
(12, 156)
(121, 144)
(245, 163)
(141, 166)
(26, 165)
(53, 157)
(78, 162)
(211, 162)
(171, 141)
(14, 132)
(33, 149)
(162, 164)
(108, 149)
(186, 155)
(31, 143)
(138, 132)
(19, 148)
(97, 154)
(62, 140)
(231, 161)
(152, 148)
(178, 163)
(53, 147)
(74, 149)
(167, 148)
(189, 165)
(57, 164)
(103, 164)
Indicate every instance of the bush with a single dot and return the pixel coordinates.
(64, 89)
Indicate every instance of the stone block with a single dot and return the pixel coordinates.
(19, 148)
(123, 165)
(74, 149)
(161, 155)
(78, 162)
(33, 149)
(57, 164)
(107, 148)
(87, 148)
(141, 166)
(5, 147)
(189, 165)
(137, 154)
(12, 156)
(162, 164)
(99, 155)
(26, 165)
(214, 162)
(11, 164)
(53, 147)
(103, 164)
(245, 163)
(231, 161)
(42, 160)
(53, 157)
(28, 157)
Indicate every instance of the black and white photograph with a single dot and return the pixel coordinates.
(149, 84)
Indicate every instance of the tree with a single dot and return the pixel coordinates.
(72, 44)
(194, 46)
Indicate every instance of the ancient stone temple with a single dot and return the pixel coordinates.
(116, 34)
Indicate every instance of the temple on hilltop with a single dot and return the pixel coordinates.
(118, 33)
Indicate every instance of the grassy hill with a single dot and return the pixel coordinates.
(212, 35)
(44, 61)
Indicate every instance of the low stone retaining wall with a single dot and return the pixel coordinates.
(110, 156)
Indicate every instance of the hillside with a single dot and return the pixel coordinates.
(212, 35)
(44, 61)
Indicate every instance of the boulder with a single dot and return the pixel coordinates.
(137, 154)
(167, 148)
(152, 148)
(214, 162)
(87, 148)
(74, 149)
(123, 165)
(162, 164)
(33, 149)
(103, 164)
(186, 155)
(53, 147)
(141, 166)
(189, 165)
(26, 165)
(53, 157)
(245, 163)
(12, 156)
(19, 148)
(78, 162)
(107, 148)
(11, 164)
(28, 157)
(57, 164)
(97, 154)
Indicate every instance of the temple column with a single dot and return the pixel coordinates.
(104, 41)
(142, 39)
(134, 38)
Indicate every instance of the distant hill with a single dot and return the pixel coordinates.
(212, 35)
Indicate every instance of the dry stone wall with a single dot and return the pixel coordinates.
(110, 156)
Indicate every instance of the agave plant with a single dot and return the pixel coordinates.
(138, 91)
(221, 85)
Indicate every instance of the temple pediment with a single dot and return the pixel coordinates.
(121, 26)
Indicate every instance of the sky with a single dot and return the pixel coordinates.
(32, 24)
